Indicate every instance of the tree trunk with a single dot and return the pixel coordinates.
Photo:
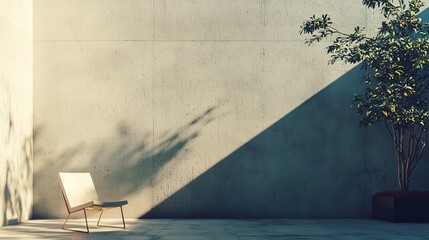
(409, 144)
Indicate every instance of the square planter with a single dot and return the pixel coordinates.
(401, 207)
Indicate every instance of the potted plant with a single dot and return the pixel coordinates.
(396, 79)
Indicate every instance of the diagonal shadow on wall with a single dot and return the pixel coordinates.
(284, 170)
(313, 163)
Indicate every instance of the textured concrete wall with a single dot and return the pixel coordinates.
(16, 110)
(208, 108)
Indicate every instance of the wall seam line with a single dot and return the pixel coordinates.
(166, 40)
(16, 28)
(153, 95)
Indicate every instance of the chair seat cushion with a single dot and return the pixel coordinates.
(110, 204)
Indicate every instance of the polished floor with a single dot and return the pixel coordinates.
(221, 229)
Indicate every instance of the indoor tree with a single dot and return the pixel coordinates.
(396, 79)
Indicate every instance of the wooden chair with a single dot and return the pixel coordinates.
(80, 195)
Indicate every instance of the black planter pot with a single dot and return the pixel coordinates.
(401, 207)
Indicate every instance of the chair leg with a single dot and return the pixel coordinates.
(66, 221)
(100, 217)
(86, 221)
(123, 220)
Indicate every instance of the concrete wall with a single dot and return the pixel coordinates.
(208, 108)
(16, 110)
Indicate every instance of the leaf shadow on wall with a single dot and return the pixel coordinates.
(15, 189)
(16, 154)
(121, 165)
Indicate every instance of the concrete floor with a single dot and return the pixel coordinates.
(222, 229)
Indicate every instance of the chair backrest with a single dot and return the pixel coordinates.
(78, 188)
